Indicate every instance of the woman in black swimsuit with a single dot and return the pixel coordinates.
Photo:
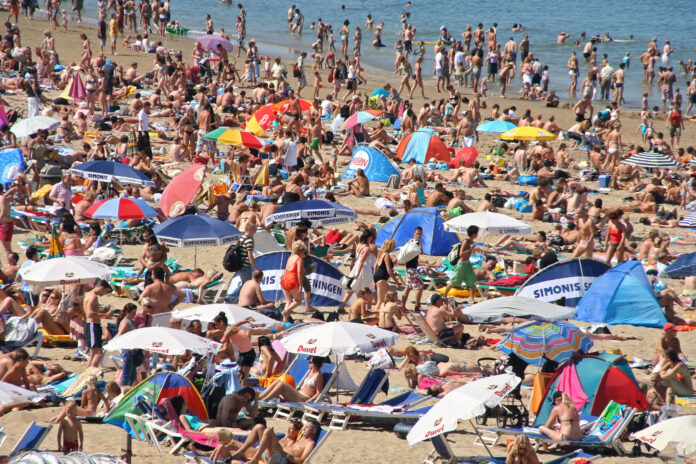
(384, 268)
(187, 129)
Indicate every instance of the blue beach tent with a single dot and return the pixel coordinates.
(623, 295)
(377, 167)
(436, 240)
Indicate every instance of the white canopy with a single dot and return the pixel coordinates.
(65, 271)
(488, 224)
(162, 340)
(466, 402)
(516, 306)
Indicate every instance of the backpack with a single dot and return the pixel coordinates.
(453, 255)
(232, 261)
(296, 71)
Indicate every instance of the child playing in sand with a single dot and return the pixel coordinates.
(70, 436)
(483, 87)
(317, 83)
(64, 21)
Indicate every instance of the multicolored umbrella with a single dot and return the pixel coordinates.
(261, 120)
(554, 340)
(361, 117)
(121, 208)
(77, 88)
(211, 41)
(234, 137)
(496, 126)
(528, 133)
(182, 190)
(305, 105)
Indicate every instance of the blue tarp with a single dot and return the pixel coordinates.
(623, 295)
(436, 241)
(377, 167)
(568, 279)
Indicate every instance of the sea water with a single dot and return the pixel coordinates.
(543, 20)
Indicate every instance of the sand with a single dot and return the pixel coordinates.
(363, 445)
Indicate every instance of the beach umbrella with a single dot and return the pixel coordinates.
(463, 403)
(688, 221)
(65, 271)
(320, 212)
(554, 340)
(678, 432)
(182, 191)
(488, 223)
(651, 160)
(263, 176)
(10, 393)
(234, 314)
(106, 171)
(496, 309)
(468, 154)
(528, 133)
(194, 230)
(496, 126)
(12, 164)
(121, 208)
(422, 145)
(339, 339)
(162, 340)
(234, 137)
(360, 117)
(77, 88)
(281, 106)
(261, 120)
(30, 126)
(684, 266)
(211, 41)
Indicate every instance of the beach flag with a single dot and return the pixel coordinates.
(56, 248)
(262, 178)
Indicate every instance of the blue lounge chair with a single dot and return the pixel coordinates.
(31, 439)
(401, 405)
(286, 410)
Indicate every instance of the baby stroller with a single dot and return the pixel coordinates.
(511, 411)
(206, 71)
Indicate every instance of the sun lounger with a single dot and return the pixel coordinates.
(491, 436)
(427, 331)
(31, 439)
(286, 410)
(212, 293)
(22, 332)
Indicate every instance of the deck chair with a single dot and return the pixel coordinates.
(372, 384)
(428, 331)
(212, 293)
(321, 439)
(286, 410)
(22, 332)
(492, 436)
(138, 426)
(31, 439)
(342, 414)
(175, 432)
(3, 436)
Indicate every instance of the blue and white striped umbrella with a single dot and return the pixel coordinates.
(319, 212)
(651, 159)
(194, 230)
(106, 171)
(688, 221)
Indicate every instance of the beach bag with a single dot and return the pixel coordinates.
(407, 252)
(347, 282)
(232, 261)
(393, 182)
(428, 368)
(296, 71)
(309, 265)
(453, 255)
(380, 359)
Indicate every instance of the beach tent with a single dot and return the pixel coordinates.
(325, 280)
(153, 390)
(377, 167)
(567, 279)
(623, 295)
(592, 381)
(11, 165)
(423, 145)
(436, 241)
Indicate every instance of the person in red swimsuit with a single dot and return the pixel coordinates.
(291, 280)
(616, 238)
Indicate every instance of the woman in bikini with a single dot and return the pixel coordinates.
(238, 207)
(86, 53)
(187, 129)
(587, 229)
(71, 236)
(566, 415)
(91, 87)
(390, 308)
(311, 387)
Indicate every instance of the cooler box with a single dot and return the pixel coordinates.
(604, 181)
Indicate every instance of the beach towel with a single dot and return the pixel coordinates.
(569, 382)
(541, 381)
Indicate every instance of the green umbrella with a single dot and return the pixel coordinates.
(214, 135)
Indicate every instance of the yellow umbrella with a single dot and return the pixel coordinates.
(528, 133)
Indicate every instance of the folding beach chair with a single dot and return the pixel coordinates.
(31, 439)
(286, 410)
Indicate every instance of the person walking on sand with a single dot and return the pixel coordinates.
(463, 269)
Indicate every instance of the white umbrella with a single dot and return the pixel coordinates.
(30, 126)
(516, 306)
(162, 340)
(234, 313)
(678, 431)
(651, 160)
(10, 393)
(488, 224)
(338, 338)
(465, 403)
(65, 271)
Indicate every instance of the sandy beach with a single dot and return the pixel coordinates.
(369, 444)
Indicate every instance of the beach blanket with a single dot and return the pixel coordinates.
(688, 401)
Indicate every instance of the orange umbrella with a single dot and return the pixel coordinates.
(305, 105)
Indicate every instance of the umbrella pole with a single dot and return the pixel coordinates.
(481, 439)
(195, 258)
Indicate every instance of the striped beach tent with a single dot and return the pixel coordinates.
(688, 221)
(651, 159)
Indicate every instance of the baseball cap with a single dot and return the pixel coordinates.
(669, 326)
